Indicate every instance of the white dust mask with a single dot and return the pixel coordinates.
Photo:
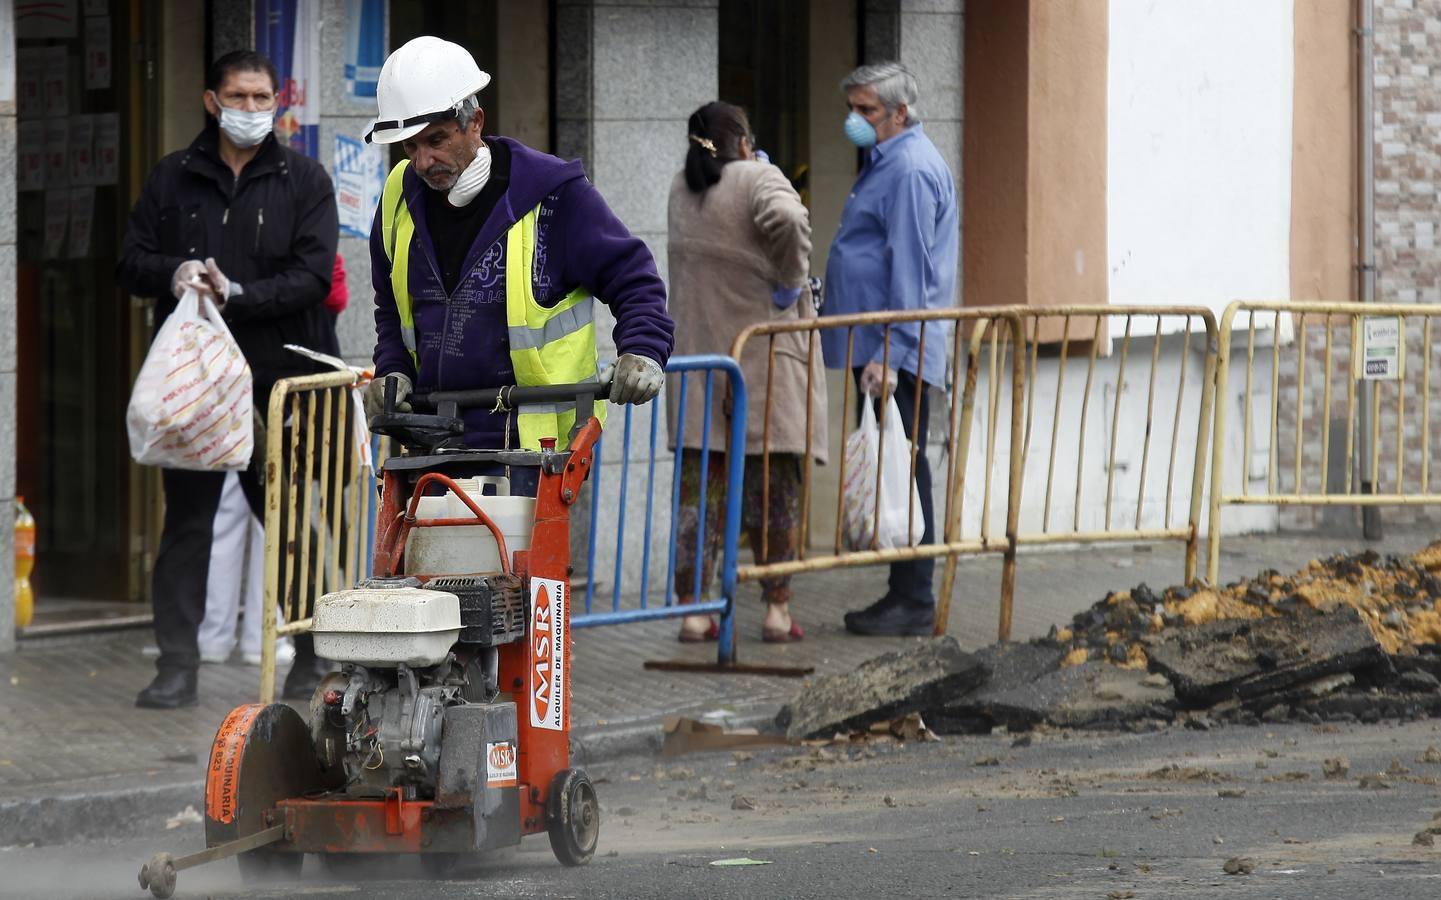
(246, 129)
(470, 182)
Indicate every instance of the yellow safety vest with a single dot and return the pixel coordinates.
(548, 345)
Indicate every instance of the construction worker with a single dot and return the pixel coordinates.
(486, 256)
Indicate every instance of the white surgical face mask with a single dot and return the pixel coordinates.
(472, 179)
(245, 129)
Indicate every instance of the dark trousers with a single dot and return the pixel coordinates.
(182, 566)
(911, 582)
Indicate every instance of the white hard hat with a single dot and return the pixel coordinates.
(424, 81)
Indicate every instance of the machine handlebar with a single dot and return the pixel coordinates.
(436, 422)
(511, 396)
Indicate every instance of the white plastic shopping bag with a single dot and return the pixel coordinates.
(190, 407)
(863, 529)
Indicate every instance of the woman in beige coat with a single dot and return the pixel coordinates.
(739, 253)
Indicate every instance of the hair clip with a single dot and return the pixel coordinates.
(707, 143)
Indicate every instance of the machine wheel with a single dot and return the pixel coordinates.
(261, 755)
(158, 876)
(572, 817)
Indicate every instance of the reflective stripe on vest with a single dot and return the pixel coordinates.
(396, 230)
(548, 345)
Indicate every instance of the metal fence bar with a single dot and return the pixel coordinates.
(982, 327)
(620, 510)
(649, 510)
(293, 443)
(701, 490)
(734, 461)
(1310, 489)
(1132, 321)
(675, 494)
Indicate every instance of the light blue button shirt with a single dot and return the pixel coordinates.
(896, 248)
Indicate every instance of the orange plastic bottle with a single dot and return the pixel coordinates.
(24, 563)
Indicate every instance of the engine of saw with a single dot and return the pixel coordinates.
(409, 655)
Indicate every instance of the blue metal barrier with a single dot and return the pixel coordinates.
(710, 365)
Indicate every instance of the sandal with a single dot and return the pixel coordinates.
(710, 633)
(779, 636)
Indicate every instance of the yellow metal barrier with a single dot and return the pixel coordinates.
(979, 337)
(1171, 435)
(1364, 351)
(318, 502)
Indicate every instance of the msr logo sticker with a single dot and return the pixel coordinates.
(500, 764)
(547, 654)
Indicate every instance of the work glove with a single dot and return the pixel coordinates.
(375, 395)
(225, 289)
(189, 275)
(635, 379)
(877, 380)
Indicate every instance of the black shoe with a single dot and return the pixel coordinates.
(889, 617)
(171, 689)
(304, 677)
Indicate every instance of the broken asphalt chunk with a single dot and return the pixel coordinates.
(1092, 694)
(884, 688)
(1255, 657)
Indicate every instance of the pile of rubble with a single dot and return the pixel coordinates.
(1395, 596)
(1349, 638)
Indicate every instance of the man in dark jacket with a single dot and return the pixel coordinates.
(253, 224)
(487, 255)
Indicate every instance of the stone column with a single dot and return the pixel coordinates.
(8, 328)
(232, 27)
(628, 76)
(341, 113)
(931, 46)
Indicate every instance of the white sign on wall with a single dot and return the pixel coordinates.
(1381, 348)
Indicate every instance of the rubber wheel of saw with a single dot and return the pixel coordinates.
(572, 817)
(262, 754)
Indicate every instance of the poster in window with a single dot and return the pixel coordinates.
(55, 82)
(359, 180)
(57, 215)
(82, 150)
(30, 156)
(82, 220)
(42, 19)
(29, 72)
(107, 149)
(57, 152)
(97, 53)
(364, 46)
(288, 31)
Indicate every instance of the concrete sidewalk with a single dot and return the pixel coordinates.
(78, 760)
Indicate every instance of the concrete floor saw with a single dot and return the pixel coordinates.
(446, 731)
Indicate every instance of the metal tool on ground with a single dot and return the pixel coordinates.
(446, 731)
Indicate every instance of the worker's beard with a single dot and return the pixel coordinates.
(439, 177)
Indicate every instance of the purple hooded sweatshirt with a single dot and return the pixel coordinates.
(462, 339)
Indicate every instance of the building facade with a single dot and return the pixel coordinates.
(1105, 151)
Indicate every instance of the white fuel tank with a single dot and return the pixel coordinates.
(469, 549)
(383, 627)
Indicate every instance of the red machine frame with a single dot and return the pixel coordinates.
(398, 825)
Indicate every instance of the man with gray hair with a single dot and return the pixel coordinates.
(896, 249)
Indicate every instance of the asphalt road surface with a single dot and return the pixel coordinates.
(1068, 815)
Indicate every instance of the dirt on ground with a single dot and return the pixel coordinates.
(1397, 597)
